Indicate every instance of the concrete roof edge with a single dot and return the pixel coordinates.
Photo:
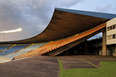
(89, 13)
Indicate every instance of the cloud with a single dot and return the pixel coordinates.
(104, 9)
(31, 15)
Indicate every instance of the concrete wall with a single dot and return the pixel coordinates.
(110, 33)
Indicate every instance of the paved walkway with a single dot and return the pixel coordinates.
(83, 61)
(45, 66)
(38, 66)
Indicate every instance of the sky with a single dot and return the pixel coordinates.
(33, 16)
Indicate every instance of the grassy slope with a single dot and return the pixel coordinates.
(108, 69)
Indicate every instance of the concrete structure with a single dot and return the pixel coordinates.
(115, 51)
(111, 34)
(111, 31)
(66, 23)
(104, 48)
(69, 28)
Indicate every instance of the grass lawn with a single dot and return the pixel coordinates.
(107, 69)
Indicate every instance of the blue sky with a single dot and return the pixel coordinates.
(33, 16)
(106, 6)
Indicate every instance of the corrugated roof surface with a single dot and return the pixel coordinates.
(94, 14)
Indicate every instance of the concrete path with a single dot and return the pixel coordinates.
(39, 66)
(46, 66)
(83, 61)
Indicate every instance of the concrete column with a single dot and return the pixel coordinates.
(115, 51)
(85, 47)
(104, 48)
(67, 53)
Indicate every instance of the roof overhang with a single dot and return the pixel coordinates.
(64, 24)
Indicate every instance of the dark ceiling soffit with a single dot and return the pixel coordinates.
(37, 37)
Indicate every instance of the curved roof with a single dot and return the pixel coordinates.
(94, 14)
(66, 22)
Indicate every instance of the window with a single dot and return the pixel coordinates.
(113, 26)
(114, 36)
(111, 37)
(110, 27)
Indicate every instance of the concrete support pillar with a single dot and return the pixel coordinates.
(85, 47)
(67, 53)
(104, 48)
(115, 51)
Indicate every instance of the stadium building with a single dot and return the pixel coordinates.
(67, 29)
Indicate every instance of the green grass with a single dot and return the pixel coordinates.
(107, 69)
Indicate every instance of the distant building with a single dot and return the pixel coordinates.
(111, 34)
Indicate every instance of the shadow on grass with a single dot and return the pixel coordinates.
(107, 69)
